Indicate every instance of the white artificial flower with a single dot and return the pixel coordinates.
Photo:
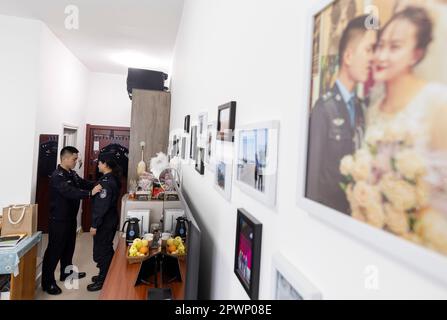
(410, 164)
(346, 165)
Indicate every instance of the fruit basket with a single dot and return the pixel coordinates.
(176, 247)
(138, 251)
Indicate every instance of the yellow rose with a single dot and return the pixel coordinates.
(375, 215)
(422, 193)
(397, 221)
(410, 164)
(400, 193)
(362, 165)
(432, 229)
(365, 195)
(357, 213)
(346, 165)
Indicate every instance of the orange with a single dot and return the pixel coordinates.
(144, 250)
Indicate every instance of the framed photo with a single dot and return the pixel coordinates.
(289, 283)
(200, 163)
(202, 129)
(257, 160)
(226, 120)
(193, 146)
(186, 124)
(223, 178)
(183, 146)
(247, 254)
(210, 146)
(174, 143)
(362, 169)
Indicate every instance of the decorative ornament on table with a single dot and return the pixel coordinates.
(166, 172)
(159, 163)
(141, 168)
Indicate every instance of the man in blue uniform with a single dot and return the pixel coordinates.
(337, 120)
(66, 191)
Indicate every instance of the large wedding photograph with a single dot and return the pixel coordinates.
(377, 147)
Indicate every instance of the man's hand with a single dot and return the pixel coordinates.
(96, 189)
(93, 231)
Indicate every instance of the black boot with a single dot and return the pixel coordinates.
(52, 289)
(95, 286)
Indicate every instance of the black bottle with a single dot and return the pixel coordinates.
(180, 228)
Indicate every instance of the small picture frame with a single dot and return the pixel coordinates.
(187, 123)
(210, 149)
(183, 145)
(200, 163)
(257, 160)
(193, 145)
(202, 129)
(223, 177)
(288, 283)
(226, 121)
(247, 253)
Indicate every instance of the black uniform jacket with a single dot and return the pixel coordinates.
(331, 137)
(104, 209)
(66, 191)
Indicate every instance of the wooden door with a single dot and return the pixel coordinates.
(101, 139)
(48, 144)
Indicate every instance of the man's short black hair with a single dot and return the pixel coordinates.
(68, 150)
(354, 27)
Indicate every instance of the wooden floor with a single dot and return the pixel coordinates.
(83, 259)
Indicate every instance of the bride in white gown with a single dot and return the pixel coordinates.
(400, 190)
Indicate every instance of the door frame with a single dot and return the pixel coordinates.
(88, 145)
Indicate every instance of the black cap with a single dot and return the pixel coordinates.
(106, 156)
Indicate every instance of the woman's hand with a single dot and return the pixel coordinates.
(93, 231)
(96, 189)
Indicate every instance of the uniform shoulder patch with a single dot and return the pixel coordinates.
(103, 194)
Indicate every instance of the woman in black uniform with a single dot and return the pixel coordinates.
(105, 218)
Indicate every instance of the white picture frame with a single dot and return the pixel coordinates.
(202, 127)
(210, 149)
(192, 154)
(224, 159)
(256, 164)
(420, 259)
(288, 283)
(174, 143)
(184, 148)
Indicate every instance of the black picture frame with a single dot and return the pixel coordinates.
(249, 225)
(200, 163)
(187, 122)
(222, 135)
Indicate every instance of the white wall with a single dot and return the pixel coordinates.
(108, 102)
(19, 54)
(253, 52)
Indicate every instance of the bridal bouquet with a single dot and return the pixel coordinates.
(385, 181)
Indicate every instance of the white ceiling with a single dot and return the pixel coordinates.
(142, 31)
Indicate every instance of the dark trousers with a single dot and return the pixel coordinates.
(103, 248)
(61, 247)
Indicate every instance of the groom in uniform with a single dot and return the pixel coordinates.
(337, 121)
